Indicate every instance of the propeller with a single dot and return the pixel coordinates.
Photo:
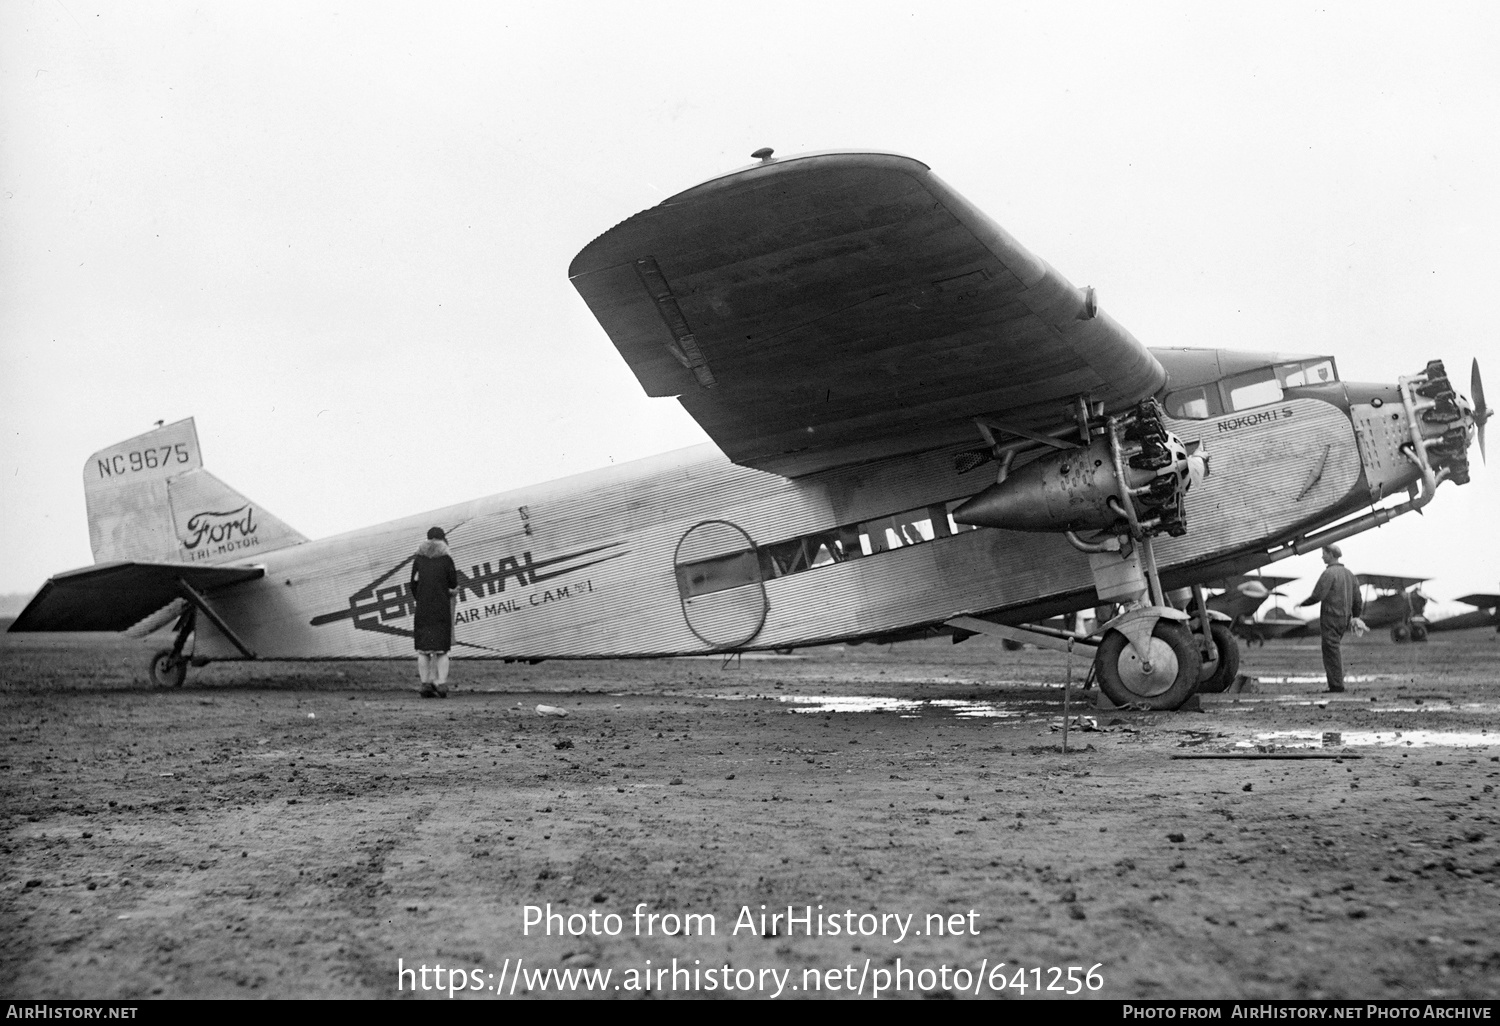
(1481, 411)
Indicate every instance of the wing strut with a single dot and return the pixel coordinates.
(201, 604)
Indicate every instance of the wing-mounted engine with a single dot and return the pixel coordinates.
(1123, 486)
(1126, 485)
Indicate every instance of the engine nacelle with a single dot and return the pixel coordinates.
(1077, 489)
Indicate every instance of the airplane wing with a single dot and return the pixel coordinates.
(1388, 582)
(1480, 599)
(829, 309)
(116, 596)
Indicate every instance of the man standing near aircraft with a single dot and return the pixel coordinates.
(1338, 591)
(434, 584)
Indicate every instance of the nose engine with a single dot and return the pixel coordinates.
(1444, 422)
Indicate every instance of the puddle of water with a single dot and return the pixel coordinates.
(907, 708)
(1465, 707)
(1381, 738)
(1358, 678)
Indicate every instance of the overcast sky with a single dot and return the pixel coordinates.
(338, 235)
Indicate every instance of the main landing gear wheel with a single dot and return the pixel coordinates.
(1400, 634)
(168, 669)
(1219, 675)
(1164, 681)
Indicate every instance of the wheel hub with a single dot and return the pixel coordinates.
(1151, 676)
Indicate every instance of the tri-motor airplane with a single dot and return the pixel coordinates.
(920, 426)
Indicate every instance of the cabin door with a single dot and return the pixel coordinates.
(719, 580)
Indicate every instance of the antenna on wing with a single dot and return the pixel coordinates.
(763, 154)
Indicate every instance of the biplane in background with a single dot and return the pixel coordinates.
(1395, 602)
(1241, 597)
(920, 428)
(1486, 614)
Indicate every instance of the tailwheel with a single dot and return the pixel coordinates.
(1218, 675)
(1164, 680)
(168, 668)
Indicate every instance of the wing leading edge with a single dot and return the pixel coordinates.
(117, 596)
(824, 310)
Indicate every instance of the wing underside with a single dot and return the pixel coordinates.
(1388, 582)
(118, 596)
(831, 309)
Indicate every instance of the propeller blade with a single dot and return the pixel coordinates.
(1481, 411)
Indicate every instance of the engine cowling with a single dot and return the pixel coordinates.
(1078, 490)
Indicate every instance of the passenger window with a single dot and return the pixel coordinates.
(1255, 388)
(1194, 403)
(954, 527)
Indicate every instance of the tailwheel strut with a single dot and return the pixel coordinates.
(169, 665)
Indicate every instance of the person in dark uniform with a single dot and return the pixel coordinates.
(1342, 605)
(434, 583)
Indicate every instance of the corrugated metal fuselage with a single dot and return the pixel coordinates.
(688, 553)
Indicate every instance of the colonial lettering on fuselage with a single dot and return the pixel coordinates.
(379, 604)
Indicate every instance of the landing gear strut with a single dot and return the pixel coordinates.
(169, 665)
(1149, 657)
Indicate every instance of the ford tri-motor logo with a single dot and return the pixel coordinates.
(221, 531)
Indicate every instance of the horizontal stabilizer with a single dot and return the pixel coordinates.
(117, 596)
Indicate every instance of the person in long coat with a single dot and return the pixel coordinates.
(434, 584)
(1342, 604)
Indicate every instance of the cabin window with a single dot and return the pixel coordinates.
(1253, 388)
(805, 553)
(718, 574)
(954, 527)
(821, 548)
(1198, 403)
(896, 532)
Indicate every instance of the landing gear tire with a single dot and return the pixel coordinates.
(1221, 674)
(1400, 634)
(1010, 645)
(168, 670)
(1418, 632)
(1167, 680)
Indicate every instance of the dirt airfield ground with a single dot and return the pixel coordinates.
(293, 830)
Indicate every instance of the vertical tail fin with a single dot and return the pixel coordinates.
(149, 499)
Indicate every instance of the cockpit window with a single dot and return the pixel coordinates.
(1264, 386)
(1259, 387)
(1308, 372)
(1198, 403)
(1253, 388)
